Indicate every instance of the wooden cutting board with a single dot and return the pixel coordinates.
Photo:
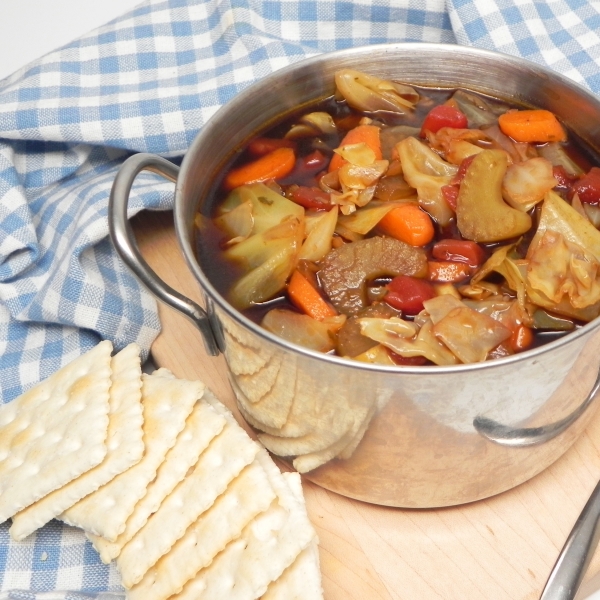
(502, 548)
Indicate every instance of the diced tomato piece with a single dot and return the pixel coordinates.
(408, 294)
(310, 197)
(443, 116)
(588, 187)
(462, 251)
(412, 361)
(521, 338)
(262, 146)
(450, 194)
(565, 179)
(462, 169)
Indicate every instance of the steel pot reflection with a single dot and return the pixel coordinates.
(407, 436)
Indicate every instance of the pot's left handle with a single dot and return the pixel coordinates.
(124, 241)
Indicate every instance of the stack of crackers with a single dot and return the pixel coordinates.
(295, 419)
(161, 478)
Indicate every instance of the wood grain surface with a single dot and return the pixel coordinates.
(502, 548)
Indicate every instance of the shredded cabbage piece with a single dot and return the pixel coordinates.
(269, 208)
(365, 219)
(389, 332)
(558, 215)
(526, 183)
(303, 330)
(269, 258)
(319, 239)
(457, 144)
(369, 93)
(428, 173)
(237, 223)
(469, 334)
(358, 154)
(267, 279)
(558, 268)
(377, 355)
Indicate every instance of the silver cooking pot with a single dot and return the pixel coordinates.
(400, 436)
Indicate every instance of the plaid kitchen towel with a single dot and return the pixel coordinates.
(148, 81)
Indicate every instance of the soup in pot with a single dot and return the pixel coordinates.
(399, 225)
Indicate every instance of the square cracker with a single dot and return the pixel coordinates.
(258, 384)
(273, 409)
(301, 580)
(249, 494)
(217, 466)
(166, 404)
(55, 431)
(342, 448)
(268, 545)
(241, 359)
(124, 443)
(203, 424)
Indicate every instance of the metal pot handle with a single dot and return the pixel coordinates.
(520, 437)
(124, 241)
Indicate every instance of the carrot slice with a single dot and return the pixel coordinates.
(305, 297)
(409, 224)
(366, 134)
(274, 165)
(532, 126)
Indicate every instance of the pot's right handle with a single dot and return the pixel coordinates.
(518, 437)
(124, 241)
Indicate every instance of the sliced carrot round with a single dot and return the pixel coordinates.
(273, 165)
(532, 126)
(409, 224)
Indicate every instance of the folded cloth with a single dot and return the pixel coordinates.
(148, 81)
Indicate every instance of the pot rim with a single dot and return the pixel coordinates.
(182, 228)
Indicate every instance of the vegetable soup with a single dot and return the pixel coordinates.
(399, 225)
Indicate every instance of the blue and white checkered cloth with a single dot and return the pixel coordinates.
(148, 81)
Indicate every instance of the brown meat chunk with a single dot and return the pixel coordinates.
(347, 269)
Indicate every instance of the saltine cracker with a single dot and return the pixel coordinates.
(247, 495)
(54, 432)
(167, 404)
(217, 466)
(203, 424)
(268, 545)
(124, 444)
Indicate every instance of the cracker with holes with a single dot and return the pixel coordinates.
(268, 545)
(54, 432)
(203, 424)
(306, 414)
(241, 359)
(249, 494)
(273, 409)
(217, 466)
(256, 386)
(166, 403)
(324, 443)
(302, 579)
(124, 444)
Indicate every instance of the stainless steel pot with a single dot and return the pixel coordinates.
(401, 436)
